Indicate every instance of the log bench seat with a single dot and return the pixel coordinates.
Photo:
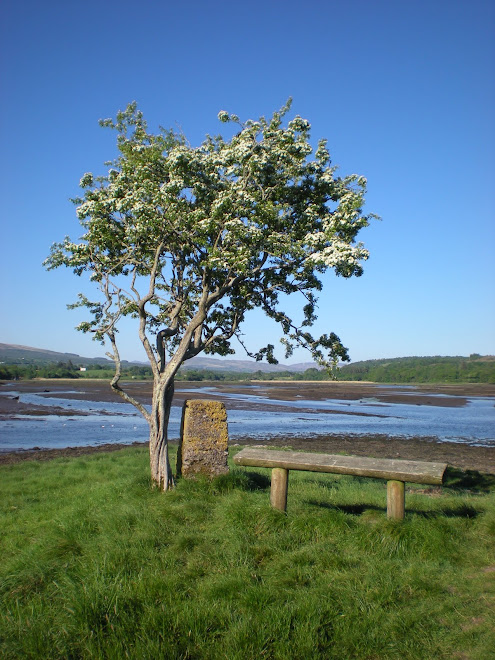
(395, 472)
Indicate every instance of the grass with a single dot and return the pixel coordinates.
(96, 564)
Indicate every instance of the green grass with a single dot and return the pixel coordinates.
(96, 564)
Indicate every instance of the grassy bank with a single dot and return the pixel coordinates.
(95, 564)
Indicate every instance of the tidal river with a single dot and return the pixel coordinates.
(253, 411)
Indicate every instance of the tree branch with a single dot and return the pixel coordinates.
(114, 384)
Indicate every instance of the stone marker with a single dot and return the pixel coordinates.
(204, 439)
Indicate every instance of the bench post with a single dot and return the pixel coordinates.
(278, 491)
(395, 472)
(396, 499)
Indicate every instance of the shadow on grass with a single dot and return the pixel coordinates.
(242, 480)
(353, 509)
(462, 511)
(256, 481)
(469, 479)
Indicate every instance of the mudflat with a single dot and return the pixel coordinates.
(455, 454)
(280, 391)
(99, 390)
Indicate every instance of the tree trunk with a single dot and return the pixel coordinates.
(161, 472)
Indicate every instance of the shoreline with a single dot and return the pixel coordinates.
(466, 457)
(456, 455)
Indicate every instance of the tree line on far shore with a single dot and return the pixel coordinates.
(472, 369)
(68, 370)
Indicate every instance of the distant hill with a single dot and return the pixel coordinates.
(436, 369)
(246, 366)
(15, 354)
(27, 355)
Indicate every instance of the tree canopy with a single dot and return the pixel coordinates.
(188, 239)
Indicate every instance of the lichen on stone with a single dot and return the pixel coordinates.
(204, 439)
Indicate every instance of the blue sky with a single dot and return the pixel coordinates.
(404, 93)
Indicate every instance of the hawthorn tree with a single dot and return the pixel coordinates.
(187, 240)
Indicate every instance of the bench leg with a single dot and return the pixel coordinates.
(278, 492)
(396, 499)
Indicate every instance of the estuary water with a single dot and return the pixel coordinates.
(105, 422)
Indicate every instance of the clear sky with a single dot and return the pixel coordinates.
(403, 91)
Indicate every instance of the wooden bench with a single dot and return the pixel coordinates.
(396, 472)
